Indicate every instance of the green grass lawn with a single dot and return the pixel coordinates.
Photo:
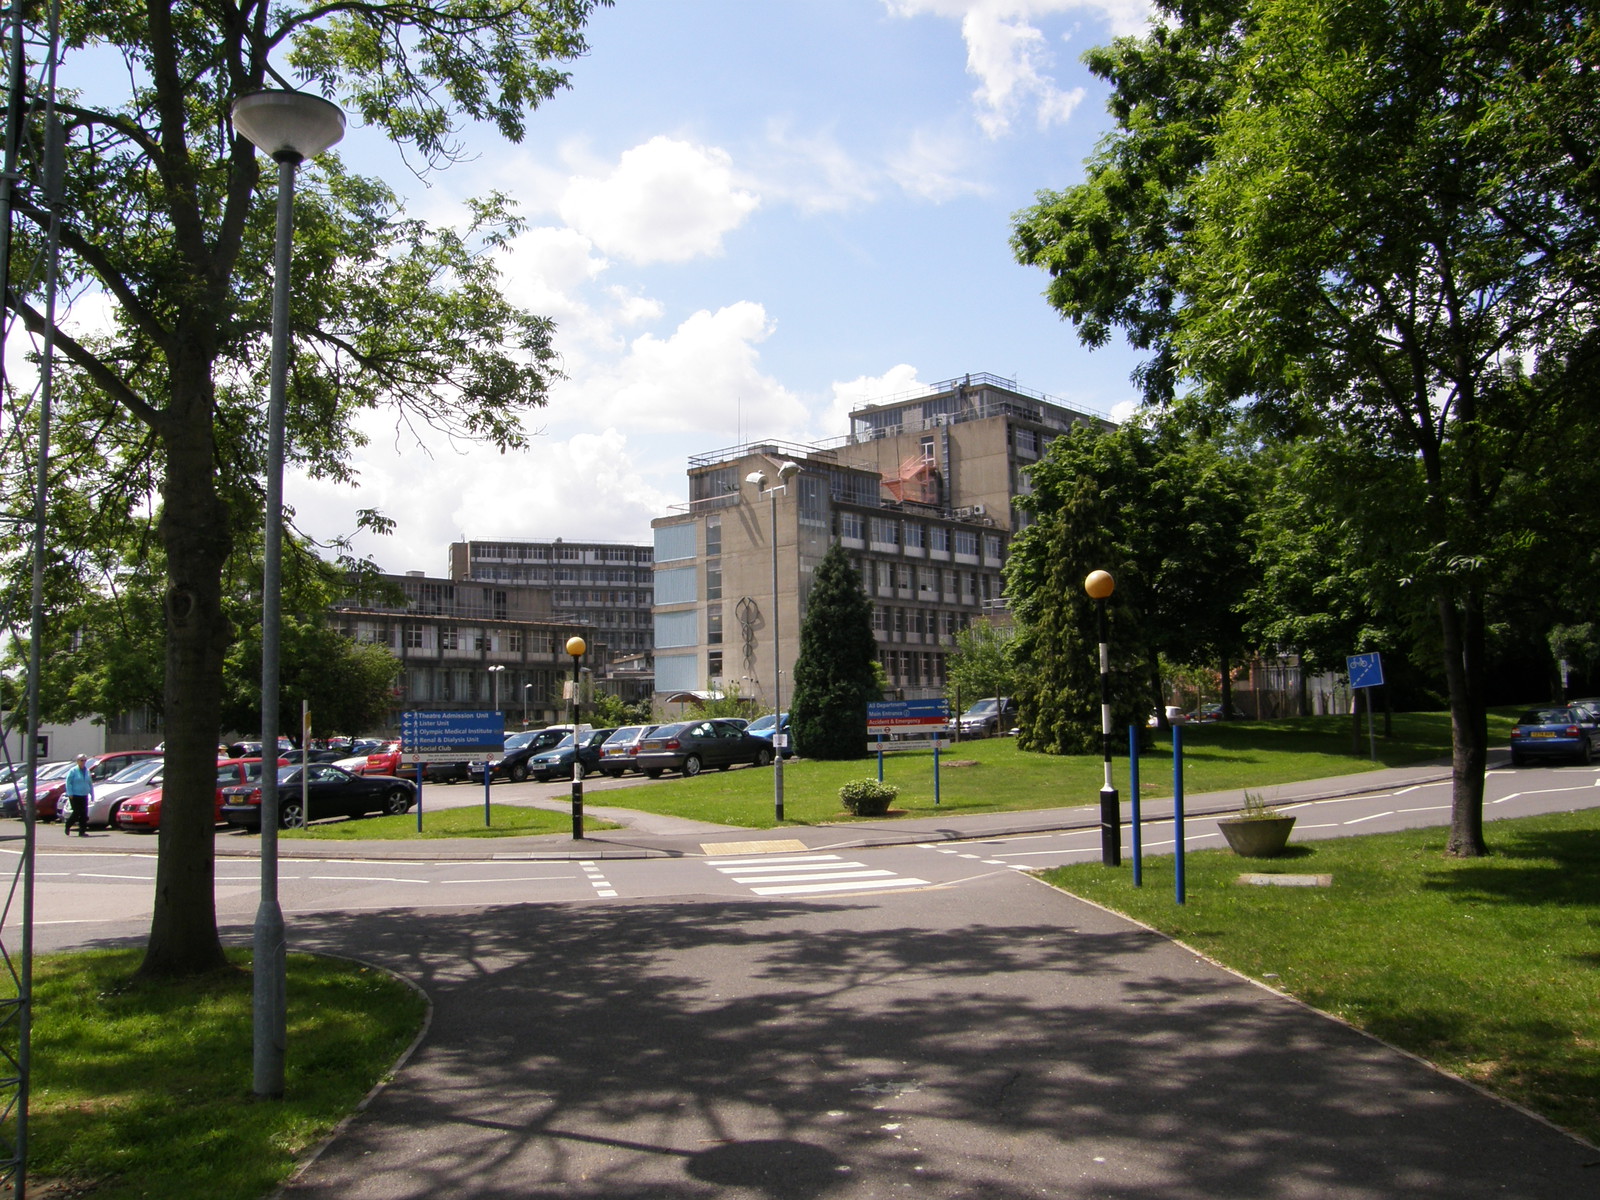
(993, 775)
(143, 1090)
(1488, 967)
(505, 820)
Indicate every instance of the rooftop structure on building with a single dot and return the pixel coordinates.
(919, 492)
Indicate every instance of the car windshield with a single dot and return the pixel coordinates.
(667, 731)
(54, 770)
(518, 740)
(137, 772)
(626, 734)
(564, 744)
(761, 724)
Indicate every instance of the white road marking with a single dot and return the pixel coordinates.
(807, 888)
(602, 887)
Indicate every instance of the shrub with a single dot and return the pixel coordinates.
(868, 797)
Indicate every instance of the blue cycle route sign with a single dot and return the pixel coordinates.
(1366, 670)
(451, 734)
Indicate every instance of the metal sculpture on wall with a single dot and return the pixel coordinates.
(748, 614)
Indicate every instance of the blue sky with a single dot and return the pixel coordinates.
(746, 217)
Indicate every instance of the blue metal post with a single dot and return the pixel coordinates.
(880, 758)
(936, 770)
(1177, 811)
(488, 772)
(1133, 788)
(419, 795)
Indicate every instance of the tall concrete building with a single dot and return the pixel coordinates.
(468, 646)
(919, 493)
(604, 584)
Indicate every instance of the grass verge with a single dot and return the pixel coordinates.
(505, 820)
(1486, 967)
(994, 775)
(143, 1090)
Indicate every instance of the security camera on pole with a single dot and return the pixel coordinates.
(1100, 585)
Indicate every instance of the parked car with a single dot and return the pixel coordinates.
(556, 762)
(1555, 732)
(134, 778)
(141, 813)
(691, 746)
(49, 783)
(620, 753)
(332, 792)
(1207, 713)
(294, 757)
(765, 727)
(987, 717)
(512, 762)
(384, 761)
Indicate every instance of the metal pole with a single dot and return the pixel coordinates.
(1110, 809)
(1133, 796)
(269, 1000)
(577, 756)
(779, 737)
(1177, 812)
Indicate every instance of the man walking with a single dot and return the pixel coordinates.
(79, 791)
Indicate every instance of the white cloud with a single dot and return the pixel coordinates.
(1010, 56)
(665, 201)
(703, 379)
(923, 167)
(813, 171)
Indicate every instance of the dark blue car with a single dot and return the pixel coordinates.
(1560, 731)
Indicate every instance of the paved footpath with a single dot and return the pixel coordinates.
(997, 1041)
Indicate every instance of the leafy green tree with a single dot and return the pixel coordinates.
(981, 663)
(1307, 211)
(613, 711)
(169, 216)
(834, 675)
(1057, 640)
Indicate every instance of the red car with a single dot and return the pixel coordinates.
(142, 813)
(385, 761)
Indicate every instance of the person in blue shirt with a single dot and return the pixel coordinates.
(79, 791)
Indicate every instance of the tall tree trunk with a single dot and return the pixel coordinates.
(1462, 629)
(1227, 689)
(1162, 720)
(195, 531)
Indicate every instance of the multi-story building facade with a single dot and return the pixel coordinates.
(604, 584)
(473, 646)
(920, 495)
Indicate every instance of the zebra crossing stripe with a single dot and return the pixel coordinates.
(807, 888)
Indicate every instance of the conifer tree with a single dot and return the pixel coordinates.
(834, 676)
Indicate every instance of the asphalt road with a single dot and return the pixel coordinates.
(836, 1021)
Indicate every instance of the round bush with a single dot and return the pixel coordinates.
(868, 797)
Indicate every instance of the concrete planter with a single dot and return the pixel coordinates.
(1257, 837)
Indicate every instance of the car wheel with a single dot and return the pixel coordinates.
(519, 773)
(291, 814)
(1518, 760)
(763, 758)
(691, 765)
(396, 802)
(653, 772)
(111, 817)
(1587, 755)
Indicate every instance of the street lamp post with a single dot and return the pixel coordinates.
(290, 127)
(1100, 585)
(526, 688)
(575, 647)
(494, 673)
(786, 472)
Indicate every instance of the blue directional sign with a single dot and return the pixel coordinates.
(452, 732)
(1366, 670)
(907, 716)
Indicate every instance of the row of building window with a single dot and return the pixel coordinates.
(892, 533)
(516, 552)
(930, 583)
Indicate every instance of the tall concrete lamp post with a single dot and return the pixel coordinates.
(1100, 585)
(758, 479)
(494, 673)
(575, 647)
(290, 127)
(526, 688)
